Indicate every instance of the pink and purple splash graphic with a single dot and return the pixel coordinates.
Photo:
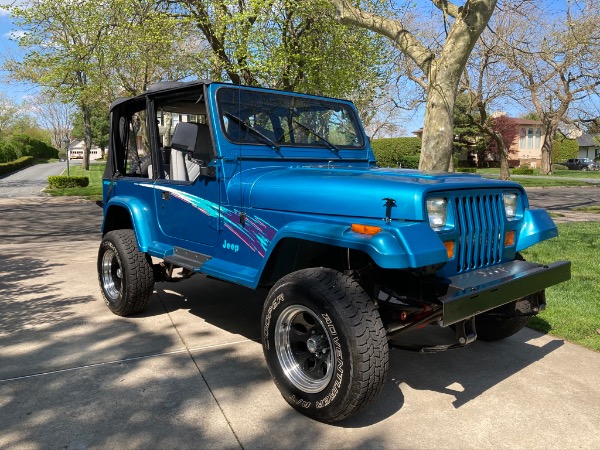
(256, 234)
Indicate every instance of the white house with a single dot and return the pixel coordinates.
(77, 146)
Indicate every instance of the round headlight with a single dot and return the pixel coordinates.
(510, 205)
(437, 210)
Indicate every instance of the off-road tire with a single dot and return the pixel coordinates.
(349, 367)
(491, 329)
(125, 274)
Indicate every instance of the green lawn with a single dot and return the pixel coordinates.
(559, 178)
(573, 311)
(592, 208)
(93, 191)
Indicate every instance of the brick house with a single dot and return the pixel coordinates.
(527, 146)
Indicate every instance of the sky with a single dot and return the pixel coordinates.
(20, 91)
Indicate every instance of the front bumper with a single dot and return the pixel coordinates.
(476, 292)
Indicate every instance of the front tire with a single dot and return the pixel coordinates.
(501, 323)
(324, 344)
(125, 274)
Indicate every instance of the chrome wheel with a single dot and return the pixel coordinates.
(112, 274)
(303, 348)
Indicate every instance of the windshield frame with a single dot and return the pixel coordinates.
(343, 105)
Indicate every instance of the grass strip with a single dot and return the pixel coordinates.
(93, 191)
(573, 311)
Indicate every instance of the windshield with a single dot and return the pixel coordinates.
(288, 120)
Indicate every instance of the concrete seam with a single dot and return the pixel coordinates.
(87, 366)
(116, 361)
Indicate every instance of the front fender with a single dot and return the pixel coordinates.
(403, 245)
(138, 211)
(537, 226)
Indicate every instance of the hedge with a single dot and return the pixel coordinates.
(15, 165)
(466, 169)
(397, 152)
(563, 149)
(19, 145)
(523, 170)
(59, 182)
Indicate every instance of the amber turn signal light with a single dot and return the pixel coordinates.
(449, 248)
(509, 238)
(365, 229)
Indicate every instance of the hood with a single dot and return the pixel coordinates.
(355, 193)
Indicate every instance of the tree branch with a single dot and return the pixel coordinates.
(393, 29)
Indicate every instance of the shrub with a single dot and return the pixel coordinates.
(559, 167)
(15, 165)
(9, 151)
(20, 145)
(563, 149)
(467, 169)
(59, 182)
(523, 170)
(395, 152)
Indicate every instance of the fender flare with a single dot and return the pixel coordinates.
(404, 245)
(138, 210)
(537, 226)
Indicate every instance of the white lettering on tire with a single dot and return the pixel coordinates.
(272, 307)
(339, 364)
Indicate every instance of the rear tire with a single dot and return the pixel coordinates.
(125, 274)
(324, 344)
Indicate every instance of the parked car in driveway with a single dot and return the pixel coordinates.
(581, 164)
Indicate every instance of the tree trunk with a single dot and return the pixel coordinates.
(87, 135)
(443, 72)
(546, 168)
(438, 125)
(168, 125)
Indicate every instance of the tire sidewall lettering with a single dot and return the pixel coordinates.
(274, 304)
(335, 388)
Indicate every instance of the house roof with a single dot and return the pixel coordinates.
(520, 121)
(589, 140)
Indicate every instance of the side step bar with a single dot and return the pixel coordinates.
(186, 259)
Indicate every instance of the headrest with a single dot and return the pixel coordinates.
(187, 135)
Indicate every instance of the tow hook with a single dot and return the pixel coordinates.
(466, 332)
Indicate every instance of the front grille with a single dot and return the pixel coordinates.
(480, 222)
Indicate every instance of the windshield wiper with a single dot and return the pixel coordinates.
(254, 131)
(314, 133)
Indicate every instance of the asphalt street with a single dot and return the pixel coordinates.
(29, 182)
(189, 372)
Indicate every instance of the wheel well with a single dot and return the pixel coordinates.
(293, 254)
(117, 218)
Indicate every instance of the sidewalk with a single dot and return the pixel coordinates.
(189, 372)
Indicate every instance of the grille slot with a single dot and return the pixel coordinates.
(480, 222)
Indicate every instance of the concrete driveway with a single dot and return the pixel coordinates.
(189, 372)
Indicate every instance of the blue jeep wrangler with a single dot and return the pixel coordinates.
(267, 188)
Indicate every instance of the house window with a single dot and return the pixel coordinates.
(530, 138)
(522, 138)
(538, 138)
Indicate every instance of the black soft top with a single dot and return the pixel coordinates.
(157, 88)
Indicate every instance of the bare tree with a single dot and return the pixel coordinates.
(441, 67)
(53, 115)
(557, 61)
(487, 82)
